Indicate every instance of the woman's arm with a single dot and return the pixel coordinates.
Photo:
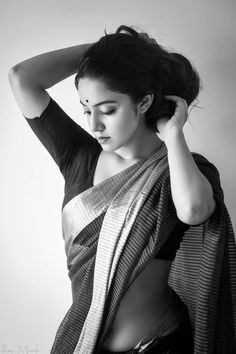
(30, 78)
(191, 191)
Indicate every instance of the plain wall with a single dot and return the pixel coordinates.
(35, 289)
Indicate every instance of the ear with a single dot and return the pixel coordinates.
(145, 103)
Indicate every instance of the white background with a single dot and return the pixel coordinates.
(35, 289)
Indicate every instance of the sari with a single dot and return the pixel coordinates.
(114, 228)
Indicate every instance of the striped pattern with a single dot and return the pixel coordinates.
(111, 231)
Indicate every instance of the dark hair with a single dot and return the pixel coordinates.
(132, 63)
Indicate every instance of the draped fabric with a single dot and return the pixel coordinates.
(114, 228)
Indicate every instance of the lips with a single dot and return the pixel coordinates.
(103, 139)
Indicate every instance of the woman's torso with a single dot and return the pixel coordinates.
(148, 297)
(76, 152)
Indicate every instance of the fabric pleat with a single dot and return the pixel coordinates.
(113, 229)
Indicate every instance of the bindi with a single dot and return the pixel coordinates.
(86, 100)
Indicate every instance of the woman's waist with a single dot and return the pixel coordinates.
(133, 322)
(144, 305)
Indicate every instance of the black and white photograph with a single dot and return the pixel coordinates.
(118, 170)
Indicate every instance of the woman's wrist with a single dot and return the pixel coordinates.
(82, 48)
(173, 135)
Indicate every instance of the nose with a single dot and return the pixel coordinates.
(95, 123)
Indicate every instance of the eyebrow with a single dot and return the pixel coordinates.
(98, 104)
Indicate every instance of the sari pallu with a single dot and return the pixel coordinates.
(111, 231)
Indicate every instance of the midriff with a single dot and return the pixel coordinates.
(145, 301)
(149, 296)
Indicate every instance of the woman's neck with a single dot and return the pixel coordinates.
(141, 147)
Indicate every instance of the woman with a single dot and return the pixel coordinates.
(130, 195)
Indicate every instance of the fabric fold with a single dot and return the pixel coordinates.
(113, 229)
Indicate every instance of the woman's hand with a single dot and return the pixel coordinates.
(177, 121)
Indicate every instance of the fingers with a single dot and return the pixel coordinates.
(177, 99)
(181, 104)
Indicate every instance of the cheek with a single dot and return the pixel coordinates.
(125, 124)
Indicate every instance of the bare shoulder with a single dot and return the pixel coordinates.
(107, 161)
(112, 161)
(108, 164)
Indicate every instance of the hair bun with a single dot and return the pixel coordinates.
(127, 30)
(189, 78)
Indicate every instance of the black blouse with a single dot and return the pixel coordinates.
(76, 152)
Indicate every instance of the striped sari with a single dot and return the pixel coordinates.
(114, 228)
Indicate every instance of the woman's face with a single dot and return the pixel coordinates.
(110, 114)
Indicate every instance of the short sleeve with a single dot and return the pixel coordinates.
(63, 138)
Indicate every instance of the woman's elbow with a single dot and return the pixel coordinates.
(14, 74)
(195, 215)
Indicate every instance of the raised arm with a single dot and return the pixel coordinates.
(30, 78)
(191, 191)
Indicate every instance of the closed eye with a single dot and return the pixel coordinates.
(106, 113)
(109, 112)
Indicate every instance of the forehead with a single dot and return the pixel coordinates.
(94, 90)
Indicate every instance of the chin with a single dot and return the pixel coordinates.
(107, 147)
